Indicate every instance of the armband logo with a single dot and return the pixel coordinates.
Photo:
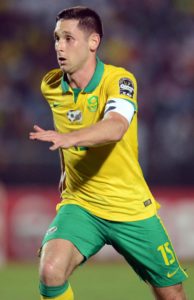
(126, 87)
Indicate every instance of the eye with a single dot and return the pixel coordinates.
(68, 38)
(56, 38)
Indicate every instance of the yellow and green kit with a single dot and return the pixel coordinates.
(106, 180)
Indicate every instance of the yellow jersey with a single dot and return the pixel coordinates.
(106, 180)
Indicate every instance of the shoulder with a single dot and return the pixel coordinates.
(51, 80)
(120, 79)
(112, 72)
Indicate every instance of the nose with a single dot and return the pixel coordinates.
(59, 46)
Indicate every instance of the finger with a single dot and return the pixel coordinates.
(45, 138)
(38, 129)
(54, 147)
(32, 137)
(41, 136)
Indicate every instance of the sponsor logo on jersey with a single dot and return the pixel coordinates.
(74, 115)
(92, 103)
(55, 104)
(126, 87)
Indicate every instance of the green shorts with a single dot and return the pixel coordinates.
(144, 244)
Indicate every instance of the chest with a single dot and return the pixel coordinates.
(73, 111)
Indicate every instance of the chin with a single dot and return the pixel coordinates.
(64, 69)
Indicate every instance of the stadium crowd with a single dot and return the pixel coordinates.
(154, 39)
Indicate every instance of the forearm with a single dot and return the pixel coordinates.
(105, 131)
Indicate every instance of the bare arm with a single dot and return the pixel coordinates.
(108, 130)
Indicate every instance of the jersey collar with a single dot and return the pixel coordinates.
(94, 82)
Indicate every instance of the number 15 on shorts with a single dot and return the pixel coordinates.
(167, 253)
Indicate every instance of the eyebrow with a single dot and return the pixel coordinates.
(63, 32)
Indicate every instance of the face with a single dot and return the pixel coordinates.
(72, 45)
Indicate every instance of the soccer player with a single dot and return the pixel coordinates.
(106, 199)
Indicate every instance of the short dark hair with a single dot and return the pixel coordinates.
(88, 19)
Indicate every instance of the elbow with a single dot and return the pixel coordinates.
(119, 133)
(117, 127)
(117, 138)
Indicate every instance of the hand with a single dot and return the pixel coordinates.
(49, 136)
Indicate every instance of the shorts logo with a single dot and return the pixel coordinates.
(74, 115)
(126, 87)
(92, 103)
(51, 230)
(169, 275)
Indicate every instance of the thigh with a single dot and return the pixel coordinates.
(76, 225)
(58, 260)
(147, 248)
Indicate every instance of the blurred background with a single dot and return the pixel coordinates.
(154, 39)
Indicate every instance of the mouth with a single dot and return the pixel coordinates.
(61, 60)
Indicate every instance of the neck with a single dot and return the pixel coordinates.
(82, 77)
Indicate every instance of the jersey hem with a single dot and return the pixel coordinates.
(106, 216)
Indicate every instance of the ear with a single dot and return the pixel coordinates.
(94, 41)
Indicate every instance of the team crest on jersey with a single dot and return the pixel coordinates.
(74, 115)
(126, 87)
(92, 103)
